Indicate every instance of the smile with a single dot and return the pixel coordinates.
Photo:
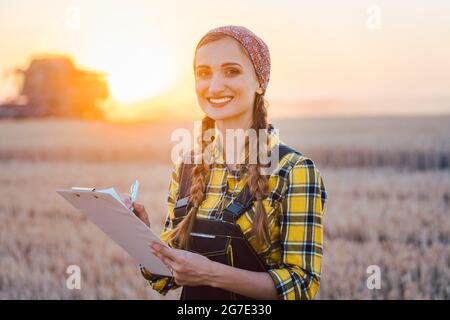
(219, 102)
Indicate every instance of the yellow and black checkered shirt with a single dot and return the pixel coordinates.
(295, 202)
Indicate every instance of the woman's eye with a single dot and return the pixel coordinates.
(201, 73)
(231, 72)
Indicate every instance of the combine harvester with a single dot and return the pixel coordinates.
(53, 86)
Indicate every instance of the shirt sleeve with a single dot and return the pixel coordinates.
(162, 284)
(301, 233)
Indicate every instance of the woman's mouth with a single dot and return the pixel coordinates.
(219, 102)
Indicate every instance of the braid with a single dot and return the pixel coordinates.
(200, 177)
(258, 183)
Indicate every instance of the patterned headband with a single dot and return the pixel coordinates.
(255, 47)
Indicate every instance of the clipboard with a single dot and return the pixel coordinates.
(105, 208)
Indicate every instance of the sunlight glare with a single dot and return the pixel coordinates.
(137, 70)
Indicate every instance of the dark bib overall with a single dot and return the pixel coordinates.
(220, 240)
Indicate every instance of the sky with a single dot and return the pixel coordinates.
(345, 57)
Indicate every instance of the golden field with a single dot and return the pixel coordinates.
(388, 181)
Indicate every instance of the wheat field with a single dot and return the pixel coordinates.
(388, 181)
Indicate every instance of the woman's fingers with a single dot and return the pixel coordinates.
(168, 252)
(164, 251)
(168, 262)
(135, 206)
(126, 200)
(139, 208)
(140, 212)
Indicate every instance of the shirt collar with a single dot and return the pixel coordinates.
(216, 146)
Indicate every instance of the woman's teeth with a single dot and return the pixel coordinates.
(220, 100)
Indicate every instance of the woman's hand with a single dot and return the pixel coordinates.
(192, 269)
(188, 268)
(137, 208)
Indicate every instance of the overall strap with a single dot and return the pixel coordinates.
(244, 199)
(181, 206)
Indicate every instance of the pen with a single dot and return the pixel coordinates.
(134, 191)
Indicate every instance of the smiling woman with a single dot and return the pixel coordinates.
(235, 232)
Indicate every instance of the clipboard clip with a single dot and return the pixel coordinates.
(82, 189)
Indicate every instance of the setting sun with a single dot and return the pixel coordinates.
(137, 69)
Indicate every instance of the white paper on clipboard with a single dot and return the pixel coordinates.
(110, 214)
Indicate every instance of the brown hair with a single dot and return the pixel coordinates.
(258, 183)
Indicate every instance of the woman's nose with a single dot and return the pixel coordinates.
(216, 85)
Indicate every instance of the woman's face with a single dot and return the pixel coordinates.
(225, 80)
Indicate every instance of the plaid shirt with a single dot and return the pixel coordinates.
(296, 201)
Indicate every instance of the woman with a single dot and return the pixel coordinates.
(283, 223)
